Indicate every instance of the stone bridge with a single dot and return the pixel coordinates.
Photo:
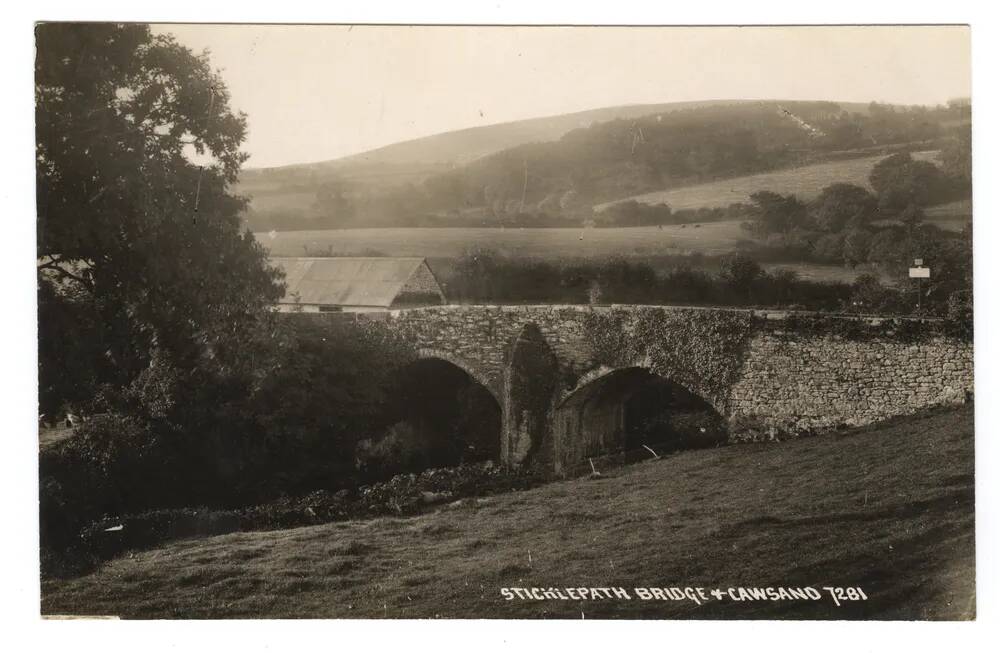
(561, 374)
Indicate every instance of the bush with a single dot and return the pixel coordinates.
(403, 447)
(106, 538)
(325, 390)
(868, 295)
(685, 285)
(829, 248)
(740, 273)
(113, 464)
(959, 315)
(857, 243)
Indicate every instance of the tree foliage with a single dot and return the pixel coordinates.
(856, 245)
(956, 158)
(149, 240)
(740, 272)
(775, 213)
(900, 180)
(841, 205)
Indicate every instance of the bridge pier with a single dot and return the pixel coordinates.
(529, 385)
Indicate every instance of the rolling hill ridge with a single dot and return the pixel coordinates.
(554, 170)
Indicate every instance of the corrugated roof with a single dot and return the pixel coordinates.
(346, 281)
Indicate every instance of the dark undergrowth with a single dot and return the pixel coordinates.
(888, 508)
(403, 494)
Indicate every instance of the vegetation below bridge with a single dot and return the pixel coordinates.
(847, 509)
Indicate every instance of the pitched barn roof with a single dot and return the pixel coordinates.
(346, 281)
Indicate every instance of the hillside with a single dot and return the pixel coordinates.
(889, 509)
(464, 145)
(292, 190)
(294, 186)
(552, 170)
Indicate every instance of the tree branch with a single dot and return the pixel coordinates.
(55, 262)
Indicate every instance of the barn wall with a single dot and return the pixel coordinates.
(421, 285)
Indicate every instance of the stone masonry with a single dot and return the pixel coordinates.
(761, 371)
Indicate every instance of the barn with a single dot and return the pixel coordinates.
(356, 284)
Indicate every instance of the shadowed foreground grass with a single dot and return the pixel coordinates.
(888, 508)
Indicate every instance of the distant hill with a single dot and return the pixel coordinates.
(293, 187)
(464, 145)
(553, 169)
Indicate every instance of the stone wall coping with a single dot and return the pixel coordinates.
(769, 314)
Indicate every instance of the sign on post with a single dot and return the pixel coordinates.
(919, 272)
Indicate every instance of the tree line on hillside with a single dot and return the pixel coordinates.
(557, 183)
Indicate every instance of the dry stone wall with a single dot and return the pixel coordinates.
(796, 383)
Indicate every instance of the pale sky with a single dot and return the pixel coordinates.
(314, 92)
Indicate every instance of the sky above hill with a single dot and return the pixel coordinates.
(314, 93)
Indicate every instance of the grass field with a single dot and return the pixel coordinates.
(651, 245)
(953, 215)
(831, 273)
(709, 238)
(889, 509)
(805, 182)
(958, 209)
(48, 436)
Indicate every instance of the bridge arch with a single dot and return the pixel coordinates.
(436, 413)
(467, 366)
(599, 373)
(618, 410)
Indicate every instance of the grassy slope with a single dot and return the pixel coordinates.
(953, 215)
(888, 508)
(50, 436)
(805, 182)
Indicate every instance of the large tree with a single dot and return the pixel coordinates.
(775, 213)
(956, 160)
(842, 205)
(740, 273)
(137, 150)
(900, 180)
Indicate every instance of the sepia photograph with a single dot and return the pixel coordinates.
(387, 321)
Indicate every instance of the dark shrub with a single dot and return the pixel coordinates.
(112, 465)
(960, 316)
